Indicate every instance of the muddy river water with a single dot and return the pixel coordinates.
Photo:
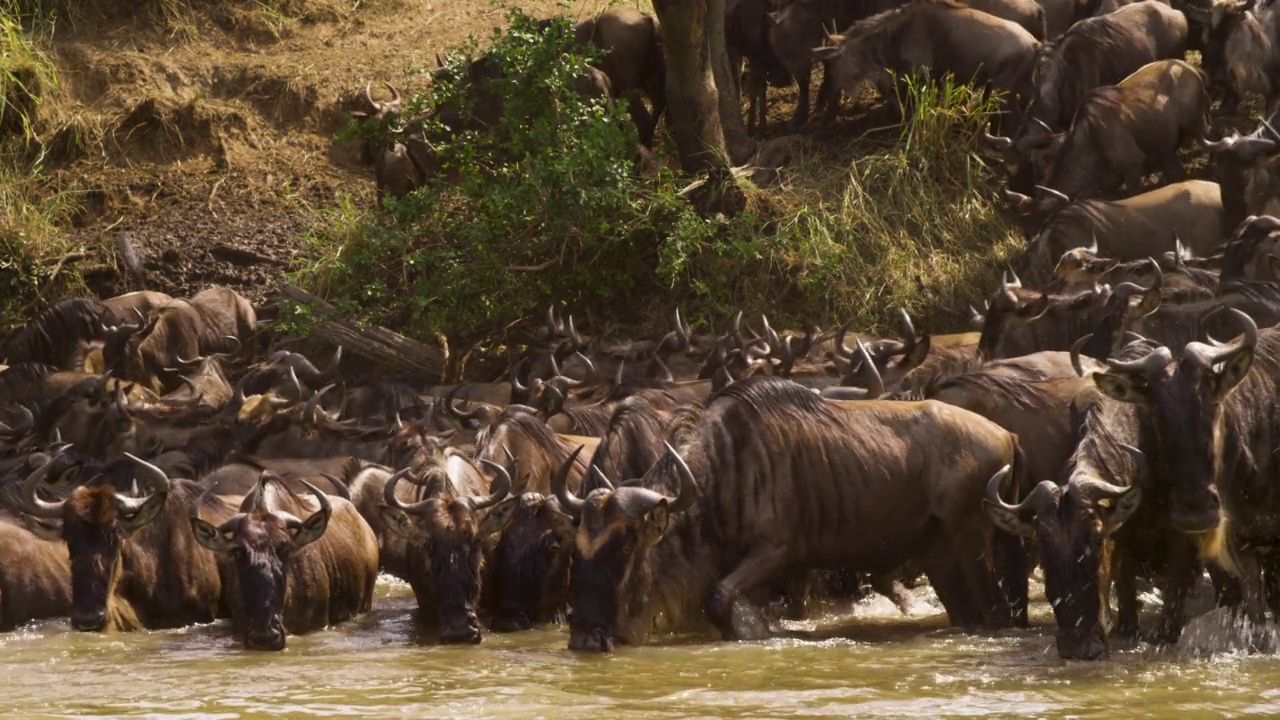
(880, 666)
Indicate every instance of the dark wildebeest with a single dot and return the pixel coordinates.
(132, 306)
(941, 35)
(1248, 169)
(1020, 322)
(450, 524)
(530, 580)
(282, 574)
(633, 61)
(397, 171)
(59, 335)
(746, 37)
(1243, 53)
(775, 479)
(802, 25)
(1215, 412)
(1142, 226)
(1123, 132)
(1080, 269)
(1100, 51)
(1104, 518)
(134, 561)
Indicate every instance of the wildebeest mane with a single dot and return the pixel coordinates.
(1017, 389)
(53, 335)
(775, 399)
(530, 426)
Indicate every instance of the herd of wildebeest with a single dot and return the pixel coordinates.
(164, 465)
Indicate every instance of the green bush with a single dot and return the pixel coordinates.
(545, 208)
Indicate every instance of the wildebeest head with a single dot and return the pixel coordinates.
(1238, 47)
(447, 531)
(531, 562)
(1073, 526)
(95, 522)
(263, 543)
(613, 564)
(1186, 400)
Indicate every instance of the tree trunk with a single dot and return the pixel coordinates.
(693, 105)
(736, 140)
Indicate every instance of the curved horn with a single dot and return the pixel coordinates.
(395, 94)
(368, 95)
(908, 328)
(297, 385)
(1154, 361)
(340, 488)
(390, 499)
(1075, 354)
(996, 142)
(1017, 281)
(560, 482)
(875, 383)
(602, 478)
(1093, 245)
(499, 488)
(1038, 501)
(31, 501)
(515, 378)
(688, 486)
(460, 415)
(155, 477)
(1053, 193)
(309, 410)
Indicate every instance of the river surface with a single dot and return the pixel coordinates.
(881, 666)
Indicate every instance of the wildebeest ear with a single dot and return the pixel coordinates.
(1233, 371)
(655, 523)
(1115, 513)
(209, 537)
(50, 530)
(562, 524)
(397, 521)
(145, 514)
(1118, 387)
(501, 514)
(1150, 302)
(828, 52)
(1008, 520)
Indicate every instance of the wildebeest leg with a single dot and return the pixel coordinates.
(1173, 171)
(1012, 570)
(645, 124)
(1183, 571)
(828, 96)
(1251, 582)
(888, 585)
(1226, 587)
(1125, 576)
(798, 595)
(759, 566)
(801, 115)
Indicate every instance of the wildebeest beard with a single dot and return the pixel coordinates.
(261, 572)
(611, 593)
(95, 565)
(1076, 556)
(456, 565)
(531, 569)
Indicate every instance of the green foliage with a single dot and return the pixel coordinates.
(26, 73)
(541, 207)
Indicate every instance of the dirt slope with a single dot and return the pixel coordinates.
(205, 136)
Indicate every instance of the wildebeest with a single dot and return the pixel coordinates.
(1134, 228)
(1100, 51)
(398, 168)
(286, 575)
(1103, 518)
(1214, 411)
(135, 305)
(633, 62)
(35, 575)
(779, 481)
(1124, 131)
(1243, 53)
(449, 525)
(1248, 169)
(746, 37)
(941, 35)
(58, 335)
(134, 561)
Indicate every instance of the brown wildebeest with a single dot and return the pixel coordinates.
(287, 575)
(1122, 132)
(768, 491)
(746, 37)
(1248, 169)
(1214, 410)
(633, 61)
(1243, 53)
(134, 561)
(59, 335)
(1100, 51)
(450, 526)
(1142, 226)
(35, 575)
(941, 35)
(133, 306)
(1103, 518)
